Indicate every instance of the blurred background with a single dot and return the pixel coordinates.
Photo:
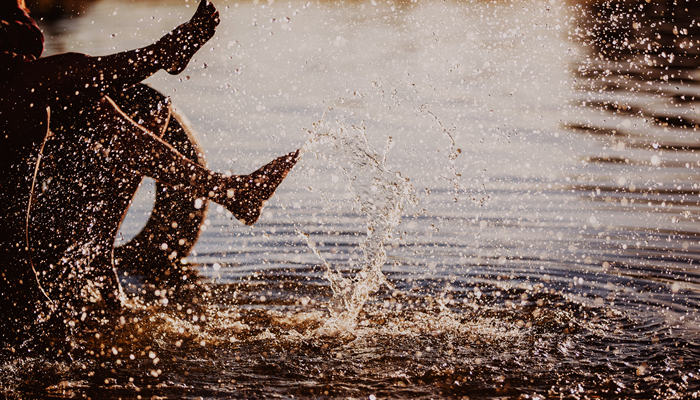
(51, 9)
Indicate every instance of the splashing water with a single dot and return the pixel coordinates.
(453, 153)
(380, 194)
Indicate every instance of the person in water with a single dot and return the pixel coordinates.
(54, 287)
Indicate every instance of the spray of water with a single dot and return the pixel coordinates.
(379, 193)
(478, 196)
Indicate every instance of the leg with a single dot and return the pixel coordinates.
(144, 153)
(176, 218)
(65, 78)
(72, 249)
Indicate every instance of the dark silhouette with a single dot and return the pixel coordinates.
(72, 158)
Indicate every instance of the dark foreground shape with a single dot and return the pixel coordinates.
(175, 220)
(80, 192)
(82, 195)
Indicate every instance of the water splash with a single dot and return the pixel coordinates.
(479, 196)
(379, 193)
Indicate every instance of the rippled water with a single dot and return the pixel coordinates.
(496, 199)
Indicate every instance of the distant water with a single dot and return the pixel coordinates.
(496, 199)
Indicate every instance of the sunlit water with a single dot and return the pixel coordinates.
(489, 204)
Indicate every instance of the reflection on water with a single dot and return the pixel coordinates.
(639, 86)
(550, 249)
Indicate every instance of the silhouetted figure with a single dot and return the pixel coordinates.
(57, 268)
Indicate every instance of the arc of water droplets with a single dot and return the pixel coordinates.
(379, 193)
(454, 153)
